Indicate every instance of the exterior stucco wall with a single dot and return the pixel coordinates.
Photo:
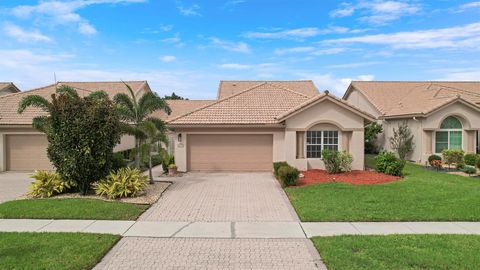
(357, 99)
(180, 147)
(126, 142)
(326, 115)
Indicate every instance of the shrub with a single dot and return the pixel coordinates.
(288, 175)
(453, 156)
(371, 133)
(167, 160)
(469, 169)
(471, 159)
(434, 158)
(402, 140)
(126, 182)
(118, 161)
(277, 165)
(48, 184)
(157, 159)
(437, 164)
(388, 163)
(460, 166)
(336, 162)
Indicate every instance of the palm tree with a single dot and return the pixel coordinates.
(155, 137)
(135, 112)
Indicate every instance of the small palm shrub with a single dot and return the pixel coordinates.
(471, 159)
(336, 162)
(48, 184)
(288, 175)
(388, 163)
(434, 158)
(126, 182)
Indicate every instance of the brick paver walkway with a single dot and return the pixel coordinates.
(188, 253)
(223, 197)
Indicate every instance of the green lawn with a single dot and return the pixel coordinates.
(71, 209)
(400, 251)
(53, 250)
(422, 196)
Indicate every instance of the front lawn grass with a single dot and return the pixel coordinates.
(53, 250)
(71, 209)
(421, 196)
(400, 251)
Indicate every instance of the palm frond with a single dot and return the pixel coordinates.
(41, 123)
(149, 129)
(126, 114)
(122, 100)
(33, 101)
(150, 103)
(159, 124)
(67, 90)
(99, 95)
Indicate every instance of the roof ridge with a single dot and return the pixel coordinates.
(28, 91)
(142, 81)
(426, 81)
(369, 98)
(288, 89)
(216, 102)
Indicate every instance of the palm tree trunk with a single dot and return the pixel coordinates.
(150, 174)
(137, 155)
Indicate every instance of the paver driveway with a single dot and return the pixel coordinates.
(217, 197)
(13, 185)
(223, 197)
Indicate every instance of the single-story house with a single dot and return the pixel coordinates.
(254, 123)
(8, 88)
(441, 115)
(23, 148)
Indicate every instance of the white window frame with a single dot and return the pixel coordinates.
(322, 144)
(448, 138)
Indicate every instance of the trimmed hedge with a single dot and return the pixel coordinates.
(388, 163)
(277, 165)
(286, 174)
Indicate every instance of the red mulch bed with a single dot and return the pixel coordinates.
(353, 177)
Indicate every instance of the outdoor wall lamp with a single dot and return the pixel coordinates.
(180, 137)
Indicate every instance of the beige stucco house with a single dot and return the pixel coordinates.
(441, 115)
(23, 148)
(8, 88)
(255, 123)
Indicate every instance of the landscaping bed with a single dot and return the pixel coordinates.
(53, 250)
(400, 251)
(352, 177)
(71, 209)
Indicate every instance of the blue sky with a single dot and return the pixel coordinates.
(188, 46)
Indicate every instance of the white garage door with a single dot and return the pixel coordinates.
(232, 152)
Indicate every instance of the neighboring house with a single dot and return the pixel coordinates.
(8, 88)
(441, 115)
(23, 148)
(255, 123)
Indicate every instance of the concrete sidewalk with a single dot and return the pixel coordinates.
(234, 230)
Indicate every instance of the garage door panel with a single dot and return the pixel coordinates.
(26, 152)
(232, 152)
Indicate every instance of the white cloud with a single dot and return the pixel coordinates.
(470, 5)
(301, 33)
(377, 12)
(232, 46)
(462, 75)
(329, 51)
(87, 29)
(175, 39)
(282, 51)
(63, 12)
(332, 83)
(26, 58)
(235, 66)
(193, 10)
(453, 37)
(22, 35)
(354, 65)
(168, 58)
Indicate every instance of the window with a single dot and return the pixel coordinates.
(449, 136)
(319, 140)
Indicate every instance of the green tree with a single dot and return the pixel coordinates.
(371, 132)
(81, 133)
(174, 96)
(134, 112)
(402, 140)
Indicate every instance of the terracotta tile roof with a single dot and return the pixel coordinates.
(313, 100)
(412, 98)
(181, 107)
(9, 103)
(8, 88)
(228, 88)
(257, 105)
